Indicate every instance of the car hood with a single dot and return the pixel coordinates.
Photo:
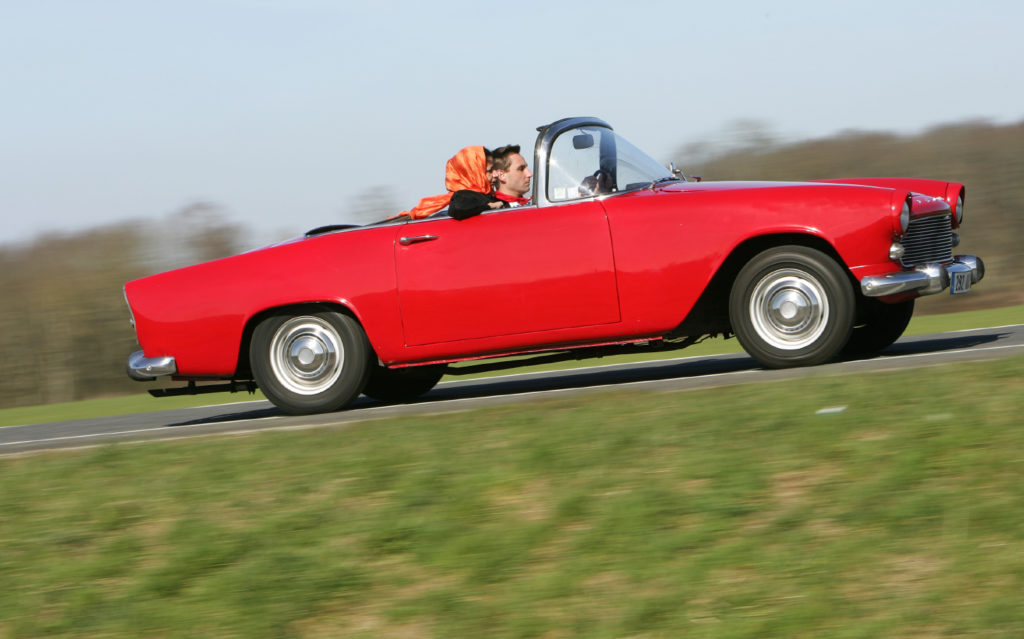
(929, 196)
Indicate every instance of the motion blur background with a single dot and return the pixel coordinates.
(140, 137)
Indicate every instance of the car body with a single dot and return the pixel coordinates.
(615, 250)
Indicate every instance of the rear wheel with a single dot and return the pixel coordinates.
(402, 384)
(882, 325)
(310, 363)
(792, 306)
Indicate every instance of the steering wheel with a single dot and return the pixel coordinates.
(598, 183)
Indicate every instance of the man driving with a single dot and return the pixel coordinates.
(511, 176)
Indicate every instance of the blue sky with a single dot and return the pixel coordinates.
(284, 112)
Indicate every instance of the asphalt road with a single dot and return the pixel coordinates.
(683, 373)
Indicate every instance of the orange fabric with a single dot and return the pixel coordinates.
(467, 169)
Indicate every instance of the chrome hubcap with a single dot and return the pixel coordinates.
(789, 309)
(307, 355)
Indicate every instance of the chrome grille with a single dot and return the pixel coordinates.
(928, 239)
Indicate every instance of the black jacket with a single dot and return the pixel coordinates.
(469, 203)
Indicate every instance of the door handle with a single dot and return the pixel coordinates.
(407, 240)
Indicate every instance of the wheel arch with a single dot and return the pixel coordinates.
(710, 315)
(244, 369)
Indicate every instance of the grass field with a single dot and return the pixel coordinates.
(109, 406)
(882, 505)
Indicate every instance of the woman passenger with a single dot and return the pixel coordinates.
(467, 170)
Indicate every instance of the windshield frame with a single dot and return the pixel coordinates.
(542, 149)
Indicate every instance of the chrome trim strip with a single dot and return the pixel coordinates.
(145, 369)
(131, 311)
(926, 279)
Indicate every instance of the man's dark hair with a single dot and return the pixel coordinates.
(502, 155)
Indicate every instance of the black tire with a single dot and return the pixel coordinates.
(881, 325)
(792, 306)
(310, 363)
(402, 384)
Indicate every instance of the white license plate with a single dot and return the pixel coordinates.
(961, 283)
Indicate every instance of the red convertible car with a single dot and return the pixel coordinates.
(615, 253)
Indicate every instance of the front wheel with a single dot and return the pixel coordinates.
(310, 363)
(792, 306)
(882, 325)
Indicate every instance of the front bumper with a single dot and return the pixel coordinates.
(146, 369)
(925, 279)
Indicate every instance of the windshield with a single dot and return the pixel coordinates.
(593, 160)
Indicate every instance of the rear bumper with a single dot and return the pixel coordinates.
(926, 279)
(146, 369)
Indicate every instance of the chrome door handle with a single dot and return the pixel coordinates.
(407, 240)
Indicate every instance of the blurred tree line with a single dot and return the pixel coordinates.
(64, 325)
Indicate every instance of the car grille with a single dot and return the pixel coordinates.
(928, 239)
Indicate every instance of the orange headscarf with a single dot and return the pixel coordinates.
(467, 169)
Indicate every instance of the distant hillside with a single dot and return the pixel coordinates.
(988, 159)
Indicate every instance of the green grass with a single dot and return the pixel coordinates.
(1002, 316)
(105, 407)
(628, 514)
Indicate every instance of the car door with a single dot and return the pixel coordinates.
(506, 272)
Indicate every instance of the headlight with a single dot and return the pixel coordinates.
(905, 217)
(960, 210)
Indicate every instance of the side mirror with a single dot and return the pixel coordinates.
(582, 141)
(682, 176)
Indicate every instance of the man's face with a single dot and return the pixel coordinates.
(516, 179)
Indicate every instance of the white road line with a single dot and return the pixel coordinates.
(970, 330)
(962, 350)
(127, 432)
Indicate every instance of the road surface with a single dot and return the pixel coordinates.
(683, 373)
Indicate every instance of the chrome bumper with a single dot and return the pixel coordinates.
(926, 279)
(146, 369)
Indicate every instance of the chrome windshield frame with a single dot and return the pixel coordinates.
(627, 157)
(545, 138)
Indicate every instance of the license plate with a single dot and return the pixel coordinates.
(961, 283)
